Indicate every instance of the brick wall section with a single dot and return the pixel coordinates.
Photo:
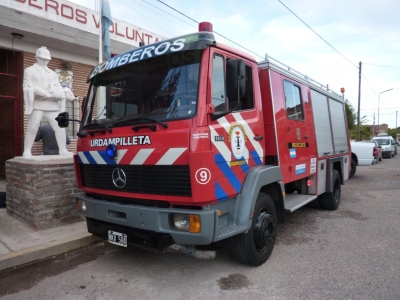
(40, 191)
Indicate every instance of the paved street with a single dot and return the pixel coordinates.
(351, 253)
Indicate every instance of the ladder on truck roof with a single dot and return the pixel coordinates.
(276, 65)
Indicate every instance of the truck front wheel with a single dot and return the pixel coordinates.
(255, 246)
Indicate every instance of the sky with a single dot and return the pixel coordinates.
(323, 39)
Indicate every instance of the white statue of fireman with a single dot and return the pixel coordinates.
(42, 92)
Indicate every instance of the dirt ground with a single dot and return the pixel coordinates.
(24, 277)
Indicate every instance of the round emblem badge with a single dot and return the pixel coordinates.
(237, 142)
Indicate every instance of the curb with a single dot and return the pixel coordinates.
(28, 255)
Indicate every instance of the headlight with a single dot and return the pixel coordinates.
(185, 222)
(81, 206)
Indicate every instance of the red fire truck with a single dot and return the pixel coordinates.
(188, 142)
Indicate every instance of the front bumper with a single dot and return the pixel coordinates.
(147, 220)
(386, 153)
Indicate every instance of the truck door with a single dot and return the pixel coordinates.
(235, 137)
(295, 131)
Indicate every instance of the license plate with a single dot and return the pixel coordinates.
(117, 238)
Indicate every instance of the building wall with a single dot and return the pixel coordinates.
(383, 128)
(10, 133)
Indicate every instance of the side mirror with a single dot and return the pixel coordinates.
(83, 104)
(63, 119)
(235, 80)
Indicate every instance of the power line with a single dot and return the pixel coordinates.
(383, 66)
(177, 11)
(167, 13)
(148, 7)
(214, 31)
(362, 74)
(253, 51)
(318, 34)
(226, 38)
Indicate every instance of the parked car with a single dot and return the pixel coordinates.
(362, 154)
(377, 150)
(388, 145)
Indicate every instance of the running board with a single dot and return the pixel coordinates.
(295, 201)
(226, 231)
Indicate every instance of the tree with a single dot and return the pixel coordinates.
(351, 116)
(392, 132)
(365, 132)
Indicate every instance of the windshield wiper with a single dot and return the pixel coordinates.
(92, 132)
(88, 126)
(151, 120)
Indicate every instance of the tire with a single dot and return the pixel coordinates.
(314, 204)
(254, 247)
(331, 200)
(353, 168)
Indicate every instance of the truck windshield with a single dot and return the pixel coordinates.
(162, 88)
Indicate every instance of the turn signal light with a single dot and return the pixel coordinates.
(186, 222)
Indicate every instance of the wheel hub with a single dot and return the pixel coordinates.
(264, 230)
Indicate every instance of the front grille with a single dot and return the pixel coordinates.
(159, 180)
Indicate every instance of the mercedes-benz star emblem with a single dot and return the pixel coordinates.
(119, 178)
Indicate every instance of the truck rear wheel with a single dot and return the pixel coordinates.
(331, 200)
(255, 246)
(353, 168)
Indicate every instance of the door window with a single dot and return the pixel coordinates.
(218, 91)
(294, 103)
(218, 96)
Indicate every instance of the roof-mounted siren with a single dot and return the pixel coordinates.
(205, 26)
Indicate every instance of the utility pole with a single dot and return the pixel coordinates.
(379, 104)
(396, 127)
(359, 100)
(373, 126)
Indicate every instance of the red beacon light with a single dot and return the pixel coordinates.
(205, 26)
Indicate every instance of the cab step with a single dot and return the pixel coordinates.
(295, 201)
(229, 230)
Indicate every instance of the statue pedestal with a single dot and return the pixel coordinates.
(40, 190)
